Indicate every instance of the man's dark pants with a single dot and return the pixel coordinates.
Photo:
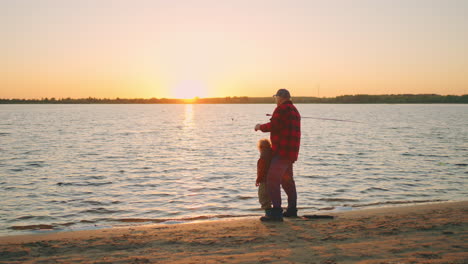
(281, 174)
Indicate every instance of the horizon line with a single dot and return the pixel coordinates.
(219, 97)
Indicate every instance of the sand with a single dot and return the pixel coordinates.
(429, 233)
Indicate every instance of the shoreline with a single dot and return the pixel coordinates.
(423, 233)
(44, 228)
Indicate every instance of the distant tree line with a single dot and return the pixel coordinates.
(345, 99)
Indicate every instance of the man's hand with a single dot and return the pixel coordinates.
(257, 127)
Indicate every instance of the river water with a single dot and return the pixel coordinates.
(72, 167)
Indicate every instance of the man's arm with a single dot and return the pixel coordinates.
(273, 125)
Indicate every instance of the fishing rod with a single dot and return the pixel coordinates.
(329, 119)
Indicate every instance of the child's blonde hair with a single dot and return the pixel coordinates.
(264, 144)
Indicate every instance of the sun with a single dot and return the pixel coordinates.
(189, 89)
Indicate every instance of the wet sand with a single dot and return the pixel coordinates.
(429, 233)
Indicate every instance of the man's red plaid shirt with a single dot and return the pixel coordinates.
(285, 131)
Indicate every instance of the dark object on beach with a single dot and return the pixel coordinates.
(33, 227)
(318, 216)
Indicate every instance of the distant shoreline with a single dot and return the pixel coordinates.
(345, 99)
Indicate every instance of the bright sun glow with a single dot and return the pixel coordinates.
(189, 89)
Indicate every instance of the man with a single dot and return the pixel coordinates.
(285, 136)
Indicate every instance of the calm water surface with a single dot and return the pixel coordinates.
(92, 166)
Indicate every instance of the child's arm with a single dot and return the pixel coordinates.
(261, 171)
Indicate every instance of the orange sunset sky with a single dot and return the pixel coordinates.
(217, 48)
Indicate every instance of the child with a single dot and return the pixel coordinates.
(263, 164)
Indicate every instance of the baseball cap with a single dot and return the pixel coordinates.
(283, 93)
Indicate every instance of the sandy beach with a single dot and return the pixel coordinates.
(428, 233)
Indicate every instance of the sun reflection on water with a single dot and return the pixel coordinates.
(188, 119)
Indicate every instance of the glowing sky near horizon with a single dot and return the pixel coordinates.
(213, 48)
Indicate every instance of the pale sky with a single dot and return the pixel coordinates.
(216, 48)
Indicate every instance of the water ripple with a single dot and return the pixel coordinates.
(83, 183)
